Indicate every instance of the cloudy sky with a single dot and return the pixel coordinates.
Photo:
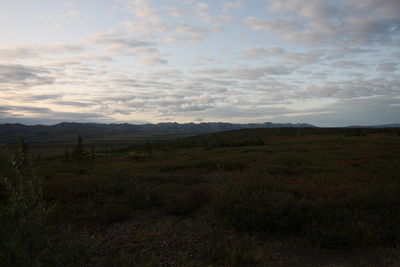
(325, 62)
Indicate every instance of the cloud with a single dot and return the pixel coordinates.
(23, 76)
(117, 42)
(35, 115)
(202, 12)
(24, 109)
(239, 5)
(349, 89)
(153, 61)
(171, 32)
(147, 29)
(387, 66)
(385, 8)
(348, 64)
(41, 97)
(260, 52)
(140, 8)
(184, 32)
(313, 9)
(39, 51)
(79, 104)
(261, 24)
(72, 15)
(175, 11)
(248, 73)
(58, 26)
(333, 22)
(312, 56)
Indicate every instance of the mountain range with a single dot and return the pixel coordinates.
(10, 132)
(67, 131)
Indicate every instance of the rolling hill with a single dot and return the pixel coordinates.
(67, 131)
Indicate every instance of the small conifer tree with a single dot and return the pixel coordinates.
(78, 153)
(23, 147)
(148, 147)
(66, 155)
(92, 151)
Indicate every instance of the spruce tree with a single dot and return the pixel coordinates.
(79, 150)
(66, 154)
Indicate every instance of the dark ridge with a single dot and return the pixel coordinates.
(65, 131)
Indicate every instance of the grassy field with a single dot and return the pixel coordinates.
(100, 144)
(227, 199)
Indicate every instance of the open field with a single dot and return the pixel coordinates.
(100, 144)
(228, 199)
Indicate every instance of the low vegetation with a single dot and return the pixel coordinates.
(334, 190)
(366, 218)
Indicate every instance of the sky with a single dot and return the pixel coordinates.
(324, 62)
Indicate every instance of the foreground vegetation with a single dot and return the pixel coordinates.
(255, 197)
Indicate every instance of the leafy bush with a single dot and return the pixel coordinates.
(264, 205)
(237, 142)
(187, 201)
(23, 212)
(261, 205)
(356, 132)
(363, 219)
(114, 212)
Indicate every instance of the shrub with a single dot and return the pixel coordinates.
(363, 219)
(264, 205)
(23, 212)
(114, 212)
(238, 142)
(187, 201)
(261, 205)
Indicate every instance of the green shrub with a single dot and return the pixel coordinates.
(237, 142)
(264, 205)
(261, 205)
(114, 212)
(71, 249)
(23, 212)
(363, 219)
(207, 164)
(159, 193)
(188, 201)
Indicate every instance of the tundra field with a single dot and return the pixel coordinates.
(259, 197)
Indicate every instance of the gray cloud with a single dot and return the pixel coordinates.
(330, 22)
(41, 97)
(73, 103)
(273, 25)
(24, 76)
(184, 32)
(46, 115)
(202, 12)
(153, 61)
(350, 89)
(36, 51)
(259, 72)
(388, 66)
(234, 5)
(34, 110)
(117, 42)
(348, 64)
(261, 52)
